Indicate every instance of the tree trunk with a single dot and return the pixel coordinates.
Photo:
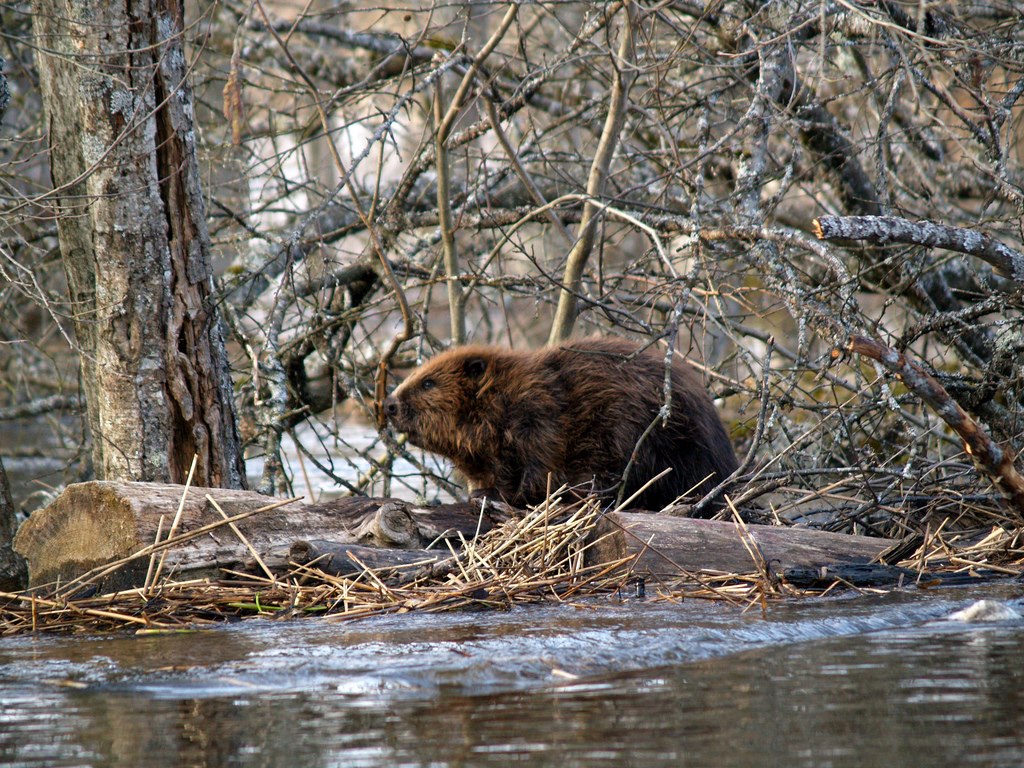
(13, 573)
(133, 237)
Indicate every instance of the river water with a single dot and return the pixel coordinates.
(864, 680)
(855, 680)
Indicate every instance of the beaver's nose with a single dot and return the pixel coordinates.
(390, 407)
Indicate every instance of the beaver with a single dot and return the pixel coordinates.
(578, 412)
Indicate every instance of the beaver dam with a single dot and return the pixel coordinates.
(151, 557)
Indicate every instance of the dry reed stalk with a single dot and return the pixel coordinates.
(238, 533)
(997, 550)
(540, 556)
(156, 567)
(744, 591)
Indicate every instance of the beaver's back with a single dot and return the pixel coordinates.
(614, 392)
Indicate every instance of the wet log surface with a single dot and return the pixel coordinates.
(877, 575)
(96, 523)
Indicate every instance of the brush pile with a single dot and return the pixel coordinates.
(534, 558)
(538, 557)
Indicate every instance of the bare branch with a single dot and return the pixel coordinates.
(622, 79)
(892, 229)
(993, 460)
(456, 296)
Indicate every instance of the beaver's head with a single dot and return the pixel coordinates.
(440, 405)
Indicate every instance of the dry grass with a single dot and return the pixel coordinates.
(996, 549)
(540, 557)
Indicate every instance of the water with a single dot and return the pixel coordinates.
(860, 681)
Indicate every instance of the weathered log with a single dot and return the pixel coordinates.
(669, 546)
(431, 523)
(91, 525)
(869, 575)
(96, 523)
(876, 575)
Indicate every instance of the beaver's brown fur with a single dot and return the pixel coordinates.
(507, 419)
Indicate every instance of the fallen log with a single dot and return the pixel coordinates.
(91, 525)
(346, 559)
(878, 575)
(669, 546)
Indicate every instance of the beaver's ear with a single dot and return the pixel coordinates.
(474, 367)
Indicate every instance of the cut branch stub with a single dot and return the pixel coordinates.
(391, 526)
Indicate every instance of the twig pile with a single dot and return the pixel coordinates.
(998, 549)
(539, 557)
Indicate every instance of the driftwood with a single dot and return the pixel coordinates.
(91, 525)
(669, 546)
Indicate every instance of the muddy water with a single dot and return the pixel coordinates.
(860, 681)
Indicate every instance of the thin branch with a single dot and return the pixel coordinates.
(991, 459)
(622, 79)
(520, 171)
(444, 122)
(456, 295)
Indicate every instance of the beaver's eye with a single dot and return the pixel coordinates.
(428, 384)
